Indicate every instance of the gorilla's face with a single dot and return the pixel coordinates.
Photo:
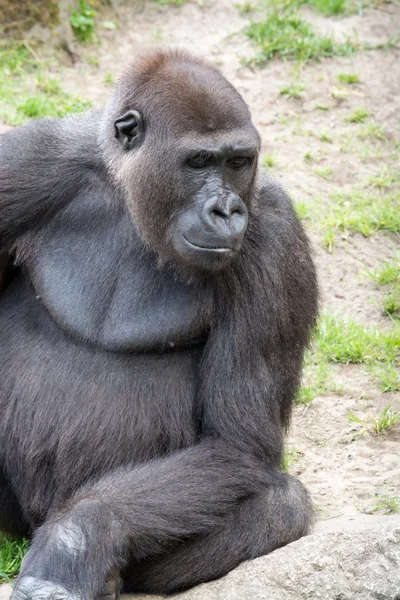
(189, 195)
(217, 175)
(187, 161)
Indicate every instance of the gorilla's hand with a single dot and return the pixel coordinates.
(33, 588)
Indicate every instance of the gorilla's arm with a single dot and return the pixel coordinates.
(42, 165)
(252, 364)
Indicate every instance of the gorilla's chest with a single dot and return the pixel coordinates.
(102, 286)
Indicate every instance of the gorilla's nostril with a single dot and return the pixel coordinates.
(216, 213)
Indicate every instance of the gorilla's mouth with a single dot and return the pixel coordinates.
(220, 249)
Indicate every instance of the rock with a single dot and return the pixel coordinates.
(345, 559)
(5, 591)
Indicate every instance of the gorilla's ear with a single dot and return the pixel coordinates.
(129, 129)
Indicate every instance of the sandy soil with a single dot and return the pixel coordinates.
(343, 471)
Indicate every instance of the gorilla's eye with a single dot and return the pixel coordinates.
(201, 160)
(238, 162)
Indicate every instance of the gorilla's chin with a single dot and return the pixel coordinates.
(209, 255)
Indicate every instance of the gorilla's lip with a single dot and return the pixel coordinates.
(219, 249)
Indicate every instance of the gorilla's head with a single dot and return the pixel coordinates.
(180, 141)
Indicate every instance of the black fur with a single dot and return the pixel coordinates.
(143, 400)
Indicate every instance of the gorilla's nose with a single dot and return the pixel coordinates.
(226, 218)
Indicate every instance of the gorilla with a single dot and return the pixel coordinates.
(157, 295)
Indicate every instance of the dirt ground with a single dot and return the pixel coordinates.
(343, 471)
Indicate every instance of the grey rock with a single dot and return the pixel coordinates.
(5, 591)
(345, 559)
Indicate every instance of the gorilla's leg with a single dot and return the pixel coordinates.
(135, 513)
(277, 516)
(12, 520)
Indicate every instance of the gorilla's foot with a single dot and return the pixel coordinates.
(32, 588)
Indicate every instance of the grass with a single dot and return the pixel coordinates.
(340, 94)
(82, 22)
(348, 78)
(372, 130)
(290, 457)
(27, 90)
(315, 375)
(294, 90)
(324, 172)
(345, 341)
(302, 209)
(245, 8)
(269, 161)
(359, 116)
(340, 341)
(324, 137)
(387, 376)
(283, 33)
(11, 554)
(109, 79)
(391, 304)
(361, 212)
(329, 8)
(309, 157)
(387, 272)
(387, 504)
(385, 178)
(371, 424)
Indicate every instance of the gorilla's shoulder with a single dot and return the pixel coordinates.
(271, 195)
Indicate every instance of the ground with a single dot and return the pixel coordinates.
(333, 141)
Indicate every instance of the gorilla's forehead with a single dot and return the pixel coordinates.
(189, 94)
(227, 141)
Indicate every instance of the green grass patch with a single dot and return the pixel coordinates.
(302, 209)
(82, 22)
(283, 33)
(360, 212)
(269, 161)
(245, 8)
(387, 272)
(324, 172)
(309, 157)
(345, 341)
(11, 554)
(376, 424)
(314, 380)
(387, 376)
(27, 90)
(329, 8)
(391, 304)
(324, 137)
(386, 503)
(348, 78)
(290, 457)
(342, 341)
(294, 90)
(372, 130)
(359, 116)
(385, 178)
